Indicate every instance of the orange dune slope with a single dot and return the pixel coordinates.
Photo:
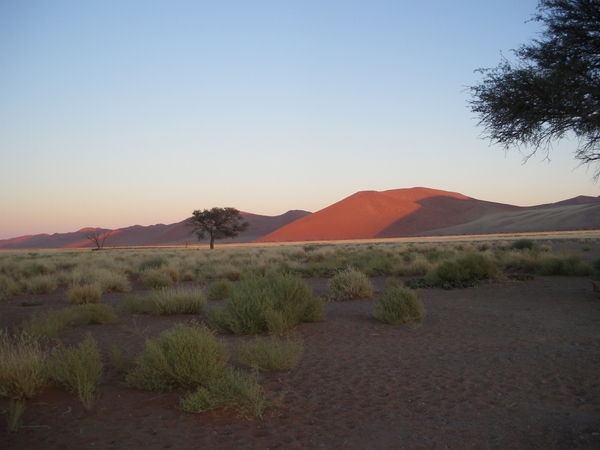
(368, 214)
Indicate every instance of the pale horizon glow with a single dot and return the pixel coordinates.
(115, 114)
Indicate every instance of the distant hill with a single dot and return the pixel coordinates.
(363, 215)
(423, 211)
(153, 235)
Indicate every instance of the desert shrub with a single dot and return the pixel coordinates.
(123, 360)
(528, 261)
(8, 287)
(41, 284)
(272, 302)
(22, 366)
(219, 290)
(49, 324)
(77, 369)
(418, 265)
(399, 305)
(182, 356)
(270, 354)
(349, 283)
(156, 279)
(523, 244)
(373, 262)
(235, 389)
(94, 314)
(138, 304)
(79, 294)
(569, 266)
(462, 272)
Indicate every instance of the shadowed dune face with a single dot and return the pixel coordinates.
(364, 215)
(443, 212)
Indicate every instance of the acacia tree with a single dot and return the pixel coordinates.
(97, 236)
(553, 90)
(217, 223)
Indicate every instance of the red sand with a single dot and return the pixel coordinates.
(361, 216)
(500, 366)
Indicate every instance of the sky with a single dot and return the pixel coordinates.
(117, 113)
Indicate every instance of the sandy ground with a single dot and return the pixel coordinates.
(508, 365)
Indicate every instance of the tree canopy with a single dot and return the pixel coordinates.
(552, 91)
(217, 223)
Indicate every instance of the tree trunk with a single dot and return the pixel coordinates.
(212, 243)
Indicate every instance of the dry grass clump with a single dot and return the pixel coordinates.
(233, 389)
(273, 302)
(167, 301)
(49, 324)
(79, 294)
(399, 305)
(567, 266)
(464, 271)
(271, 354)
(8, 287)
(40, 284)
(219, 290)
(156, 278)
(348, 284)
(182, 356)
(77, 369)
(123, 360)
(22, 366)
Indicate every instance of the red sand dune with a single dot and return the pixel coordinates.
(363, 215)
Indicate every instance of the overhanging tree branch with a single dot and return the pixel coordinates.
(553, 90)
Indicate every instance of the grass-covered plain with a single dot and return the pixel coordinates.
(149, 312)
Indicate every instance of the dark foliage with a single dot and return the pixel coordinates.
(553, 89)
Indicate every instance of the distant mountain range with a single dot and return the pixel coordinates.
(364, 215)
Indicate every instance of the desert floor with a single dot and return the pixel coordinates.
(503, 365)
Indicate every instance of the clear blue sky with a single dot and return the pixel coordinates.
(115, 113)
